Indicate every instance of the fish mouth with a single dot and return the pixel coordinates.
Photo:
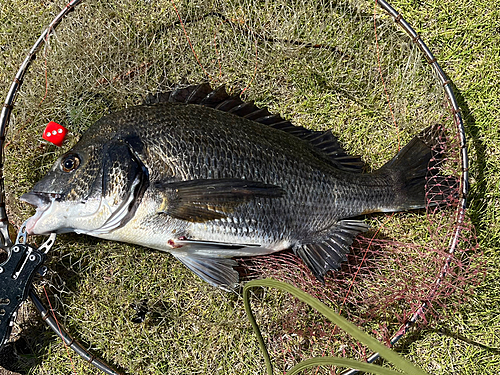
(37, 199)
(42, 202)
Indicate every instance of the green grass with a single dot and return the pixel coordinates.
(191, 327)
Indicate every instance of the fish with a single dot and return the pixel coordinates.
(209, 178)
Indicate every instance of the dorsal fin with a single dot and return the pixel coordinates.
(219, 99)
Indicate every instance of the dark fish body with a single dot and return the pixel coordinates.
(208, 185)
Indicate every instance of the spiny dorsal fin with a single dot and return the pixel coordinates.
(219, 99)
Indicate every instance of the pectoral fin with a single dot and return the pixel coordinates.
(209, 199)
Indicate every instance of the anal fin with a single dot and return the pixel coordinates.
(328, 253)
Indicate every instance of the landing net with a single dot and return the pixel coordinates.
(346, 66)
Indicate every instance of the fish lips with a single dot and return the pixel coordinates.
(36, 199)
(42, 202)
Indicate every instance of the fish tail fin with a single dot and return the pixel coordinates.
(414, 170)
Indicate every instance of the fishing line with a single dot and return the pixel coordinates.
(189, 41)
(223, 20)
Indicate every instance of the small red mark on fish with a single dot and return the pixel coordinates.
(55, 133)
(173, 244)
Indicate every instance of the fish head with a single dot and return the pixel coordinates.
(94, 188)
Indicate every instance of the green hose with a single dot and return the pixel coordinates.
(391, 356)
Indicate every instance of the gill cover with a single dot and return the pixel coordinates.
(124, 180)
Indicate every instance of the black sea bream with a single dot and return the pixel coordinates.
(208, 177)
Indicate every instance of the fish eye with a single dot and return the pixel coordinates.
(70, 163)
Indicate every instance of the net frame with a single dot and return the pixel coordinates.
(6, 243)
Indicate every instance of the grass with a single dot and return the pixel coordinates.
(190, 327)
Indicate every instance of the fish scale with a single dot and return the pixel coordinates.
(207, 185)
